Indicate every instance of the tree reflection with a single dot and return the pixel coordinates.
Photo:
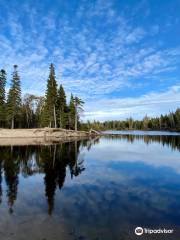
(76, 164)
(172, 141)
(47, 157)
(11, 171)
(54, 161)
(1, 169)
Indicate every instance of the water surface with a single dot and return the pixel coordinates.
(141, 132)
(97, 189)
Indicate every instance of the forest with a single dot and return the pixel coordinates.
(52, 110)
(30, 111)
(168, 122)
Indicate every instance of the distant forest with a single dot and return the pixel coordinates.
(51, 110)
(168, 122)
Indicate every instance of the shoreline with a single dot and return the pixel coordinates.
(37, 141)
(48, 136)
(40, 136)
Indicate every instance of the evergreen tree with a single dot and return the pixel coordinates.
(177, 119)
(78, 103)
(49, 115)
(14, 99)
(62, 107)
(2, 97)
(71, 113)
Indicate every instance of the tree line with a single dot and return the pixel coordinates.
(51, 110)
(168, 122)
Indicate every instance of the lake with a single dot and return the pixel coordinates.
(97, 189)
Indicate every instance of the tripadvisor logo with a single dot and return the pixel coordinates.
(139, 231)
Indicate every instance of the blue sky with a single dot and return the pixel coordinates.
(122, 57)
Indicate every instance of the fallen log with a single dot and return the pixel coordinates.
(94, 132)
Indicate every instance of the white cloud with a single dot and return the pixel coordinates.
(151, 104)
(136, 35)
(91, 61)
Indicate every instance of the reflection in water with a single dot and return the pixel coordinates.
(52, 160)
(172, 141)
(11, 171)
(0, 181)
(110, 194)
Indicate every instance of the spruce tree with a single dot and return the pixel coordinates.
(78, 103)
(71, 113)
(49, 114)
(14, 99)
(62, 107)
(2, 97)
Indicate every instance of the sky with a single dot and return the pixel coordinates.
(122, 57)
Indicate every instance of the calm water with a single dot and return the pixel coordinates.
(90, 190)
(141, 132)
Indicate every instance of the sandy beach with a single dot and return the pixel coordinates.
(39, 136)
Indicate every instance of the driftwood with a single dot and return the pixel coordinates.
(94, 132)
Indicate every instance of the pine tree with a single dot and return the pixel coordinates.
(49, 115)
(14, 99)
(2, 97)
(71, 113)
(62, 107)
(177, 119)
(78, 103)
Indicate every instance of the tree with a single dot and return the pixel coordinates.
(2, 96)
(71, 113)
(171, 120)
(130, 123)
(62, 107)
(51, 99)
(78, 103)
(39, 113)
(145, 122)
(14, 98)
(177, 119)
(29, 106)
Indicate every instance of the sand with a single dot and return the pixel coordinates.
(39, 136)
